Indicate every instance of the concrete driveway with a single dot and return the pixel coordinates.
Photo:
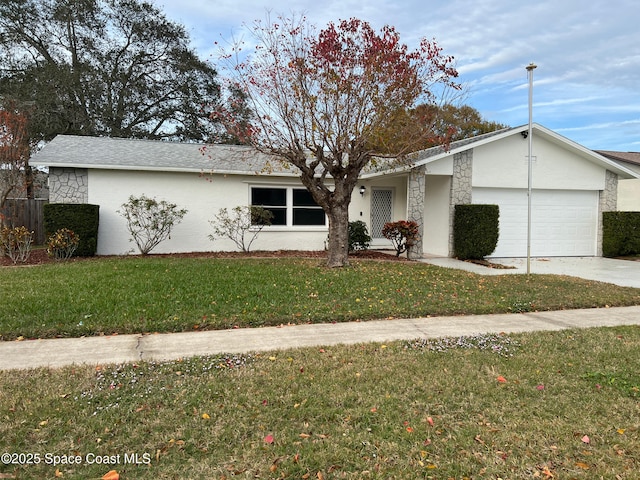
(619, 272)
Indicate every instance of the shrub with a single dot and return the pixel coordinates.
(62, 244)
(475, 231)
(15, 243)
(150, 221)
(359, 238)
(82, 219)
(238, 225)
(620, 233)
(403, 234)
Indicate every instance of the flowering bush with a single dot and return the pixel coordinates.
(403, 234)
(62, 244)
(15, 243)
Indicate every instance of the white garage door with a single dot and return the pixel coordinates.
(563, 222)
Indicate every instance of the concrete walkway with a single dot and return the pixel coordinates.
(131, 348)
(624, 273)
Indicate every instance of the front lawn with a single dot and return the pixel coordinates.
(546, 405)
(164, 294)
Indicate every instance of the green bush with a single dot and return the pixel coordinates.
(620, 233)
(82, 219)
(150, 221)
(242, 225)
(359, 238)
(475, 231)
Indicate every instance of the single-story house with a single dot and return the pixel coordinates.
(572, 186)
(628, 189)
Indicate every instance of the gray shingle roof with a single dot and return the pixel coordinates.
(128, 154)
(630, 157)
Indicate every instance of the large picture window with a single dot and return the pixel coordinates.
(291, 206)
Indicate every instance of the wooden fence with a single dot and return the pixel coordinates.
(26, 212)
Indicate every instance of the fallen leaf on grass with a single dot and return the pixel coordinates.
(111, 475)
(582, 465)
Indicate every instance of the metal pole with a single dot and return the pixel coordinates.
(530, 69)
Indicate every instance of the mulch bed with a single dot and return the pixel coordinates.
(40, 257)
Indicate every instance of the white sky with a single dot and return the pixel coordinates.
(586, 86)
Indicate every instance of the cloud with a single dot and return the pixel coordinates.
(587, 52)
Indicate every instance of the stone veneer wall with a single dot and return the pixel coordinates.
(608, 202)
(415, 209)
(68, 185)
(460, 187)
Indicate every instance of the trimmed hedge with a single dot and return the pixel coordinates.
(81, 219)
(475, 231)
(620, 234)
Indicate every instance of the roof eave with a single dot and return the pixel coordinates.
(139, 168)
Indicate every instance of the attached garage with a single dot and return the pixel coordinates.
(563, 222)
(571, 184)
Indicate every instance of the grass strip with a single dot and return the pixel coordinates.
(537, 405)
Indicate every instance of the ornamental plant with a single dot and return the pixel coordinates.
(242, 225)
(150, 221)
(15, 243)
(359, 238)
(403, 234)
(62, 244)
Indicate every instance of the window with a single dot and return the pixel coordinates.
(292, 207)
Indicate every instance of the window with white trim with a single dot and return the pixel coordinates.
(290, 206)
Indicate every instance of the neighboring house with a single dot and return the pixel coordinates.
(628, 189)
(572, 185)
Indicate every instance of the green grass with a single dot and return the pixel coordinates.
(135, 295)
(404, 410)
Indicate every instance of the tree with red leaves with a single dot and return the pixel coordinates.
(15, 150)
(329, 103)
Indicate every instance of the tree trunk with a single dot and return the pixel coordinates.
(338, 253)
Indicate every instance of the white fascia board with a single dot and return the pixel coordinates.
(130, 168)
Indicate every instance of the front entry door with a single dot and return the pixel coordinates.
(380, 210)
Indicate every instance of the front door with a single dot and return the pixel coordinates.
(380, 210)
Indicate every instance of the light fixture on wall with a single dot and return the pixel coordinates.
(363, 189)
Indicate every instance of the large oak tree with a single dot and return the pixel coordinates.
(104, 67)
(329, 102)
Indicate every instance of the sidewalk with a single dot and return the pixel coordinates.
(134, 348)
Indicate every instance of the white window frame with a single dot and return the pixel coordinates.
(290, 208)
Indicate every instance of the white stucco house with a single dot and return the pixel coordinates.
(572, 186)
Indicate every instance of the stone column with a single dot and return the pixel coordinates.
(608, 202)
(415, 208)
(460, 187)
